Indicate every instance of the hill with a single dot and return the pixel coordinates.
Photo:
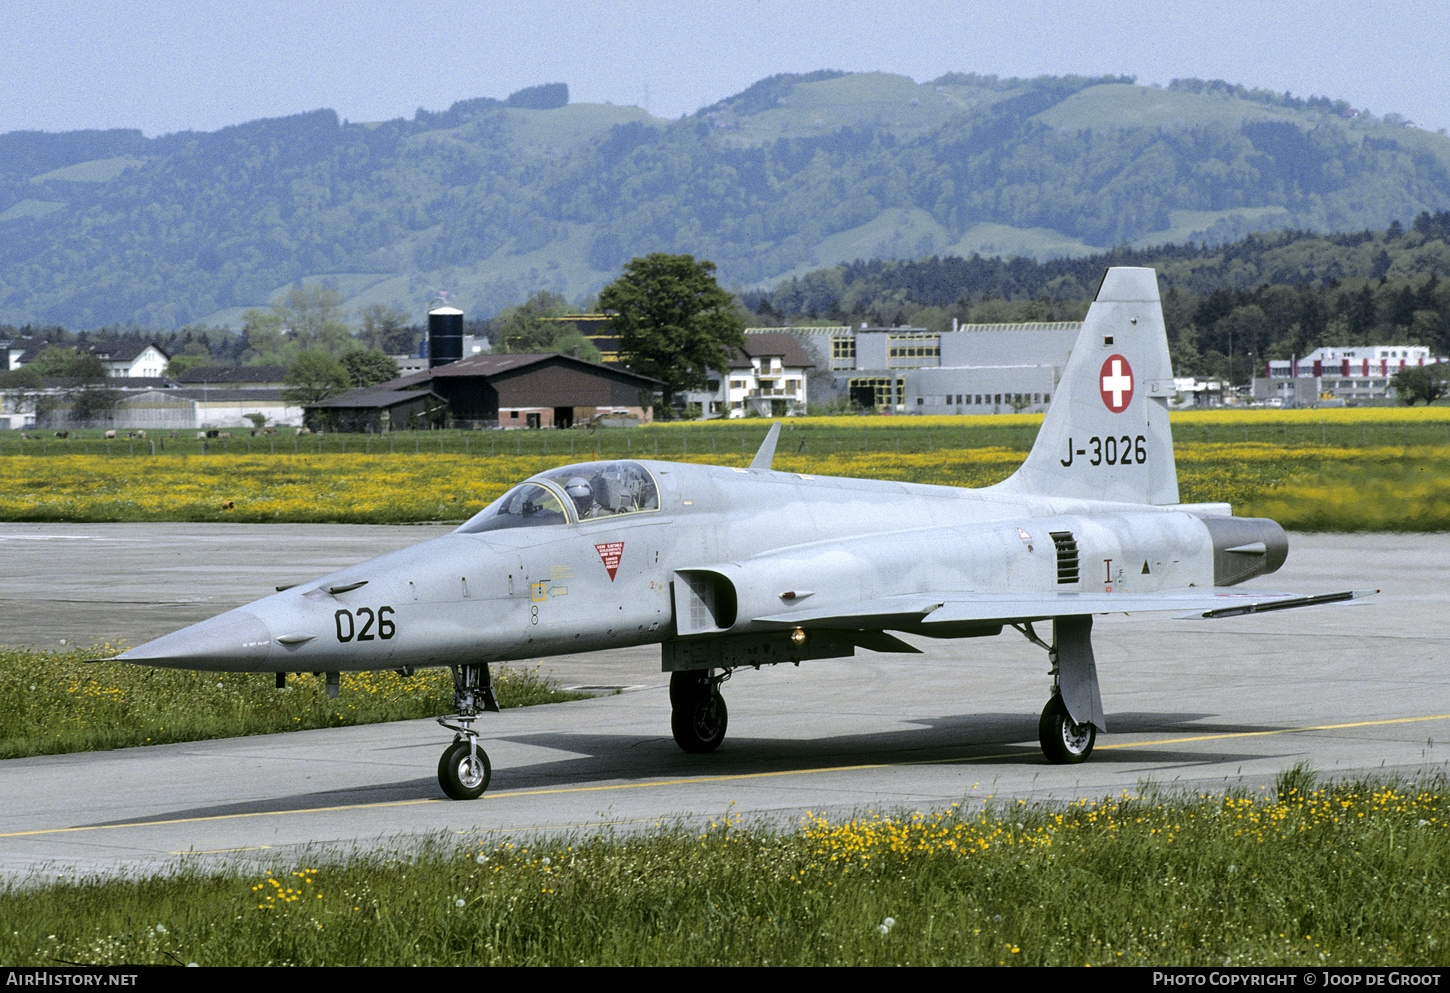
(495, 200)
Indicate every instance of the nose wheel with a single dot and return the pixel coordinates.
(464, 769)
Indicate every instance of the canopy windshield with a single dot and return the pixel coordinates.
(591, 491)
(527, 505)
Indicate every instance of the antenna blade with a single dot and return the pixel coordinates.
(766, 454)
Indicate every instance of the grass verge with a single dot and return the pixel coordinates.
(53, 703)
(1349, 874)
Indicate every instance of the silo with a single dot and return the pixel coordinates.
(445, 336)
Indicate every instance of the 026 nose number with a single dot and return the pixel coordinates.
(348, 622)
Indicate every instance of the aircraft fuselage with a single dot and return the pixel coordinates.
(774, 540)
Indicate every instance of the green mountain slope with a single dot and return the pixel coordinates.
(494, 201)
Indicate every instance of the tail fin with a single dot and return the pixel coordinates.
(1106, 434)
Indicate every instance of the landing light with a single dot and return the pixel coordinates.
(797, 637)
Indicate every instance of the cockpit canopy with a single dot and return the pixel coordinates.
(588, 491)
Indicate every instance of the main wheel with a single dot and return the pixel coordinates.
(1063, 742)
(688, 685)
(699, 723)
(461, 775)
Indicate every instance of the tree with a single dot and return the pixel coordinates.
(385, 328)
(368, 367)
(313, 315)
(24, 390)
(68, 363)
(306, 318)
(314, 376)
(85, 390)
(182, 364)
(534, 326)
(1421, 382)
(674, 321)
(529, 326)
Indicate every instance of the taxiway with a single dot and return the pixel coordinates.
(1190, 704)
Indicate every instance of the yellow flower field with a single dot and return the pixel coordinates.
(1265, 463)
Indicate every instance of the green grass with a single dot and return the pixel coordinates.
(1351, 874)
(53, 703)
(1109, 107)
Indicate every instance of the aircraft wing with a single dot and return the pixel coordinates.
(927, 610)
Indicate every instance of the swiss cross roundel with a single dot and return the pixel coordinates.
(1115, 382)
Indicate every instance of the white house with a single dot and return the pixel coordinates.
(767, 377)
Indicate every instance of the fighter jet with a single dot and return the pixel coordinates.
(731, 568)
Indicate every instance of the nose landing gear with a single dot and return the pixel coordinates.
(464, 769)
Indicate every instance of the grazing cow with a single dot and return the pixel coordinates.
(62, 434)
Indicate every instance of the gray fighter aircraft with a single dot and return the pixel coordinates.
(727, 568)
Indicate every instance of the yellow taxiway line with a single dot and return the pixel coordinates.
(655, 783)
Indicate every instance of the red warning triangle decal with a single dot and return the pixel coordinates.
(609, 554)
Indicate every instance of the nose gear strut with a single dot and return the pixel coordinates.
(464, 769)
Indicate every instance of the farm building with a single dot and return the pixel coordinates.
(494, 391)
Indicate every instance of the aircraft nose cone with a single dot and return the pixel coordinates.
(237, 641)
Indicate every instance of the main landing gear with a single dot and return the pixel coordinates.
(464, 769)
(1065, 740)
(698, 716)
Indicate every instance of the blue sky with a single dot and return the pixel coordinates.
(165, 66)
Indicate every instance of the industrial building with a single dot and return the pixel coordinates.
(1359, 374)
(971, 369)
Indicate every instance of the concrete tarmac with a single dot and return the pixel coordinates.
(1191, 705)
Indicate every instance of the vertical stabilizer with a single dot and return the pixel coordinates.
(1106, 433)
